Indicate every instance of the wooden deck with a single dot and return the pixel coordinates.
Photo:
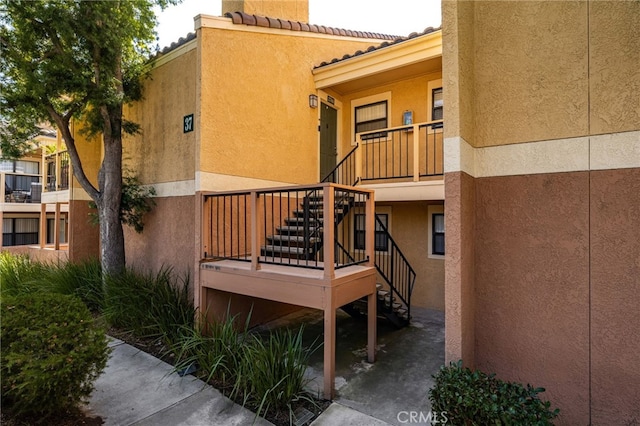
(306, 287)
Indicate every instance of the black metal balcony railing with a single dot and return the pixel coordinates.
(407, 152)
(388, 154)
(58, 167)
(288, 226)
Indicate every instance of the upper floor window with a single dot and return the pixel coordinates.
(437, 101)
(20, 166)
(371, 117)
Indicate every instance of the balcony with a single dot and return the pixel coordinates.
(57, 166)
(294, 245)
(400, 163)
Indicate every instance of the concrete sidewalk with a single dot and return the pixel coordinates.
(139, 389)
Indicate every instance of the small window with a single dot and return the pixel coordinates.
(437, 234)
(371, 117)
(381, 240)
(436, 108)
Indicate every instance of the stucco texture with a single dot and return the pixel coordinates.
(521, 71)
(162, 152)
(84, 236)
(460, 224)
(614, 71)
(410, 94)
(168, 239)
(532, 284)
(615, 293)
(410, 230)
(255, 106)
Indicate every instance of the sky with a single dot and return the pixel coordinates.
(394, 17)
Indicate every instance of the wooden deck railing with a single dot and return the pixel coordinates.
(303, 226)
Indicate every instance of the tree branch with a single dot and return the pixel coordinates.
(78, 170)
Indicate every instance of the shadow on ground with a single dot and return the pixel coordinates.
(400, 378)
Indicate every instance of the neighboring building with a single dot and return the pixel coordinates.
(44, 212)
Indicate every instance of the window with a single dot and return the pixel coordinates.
(19, 231)
(20, 166)
(437, 234)
(381, 240)
(371, 117)
(437, 112)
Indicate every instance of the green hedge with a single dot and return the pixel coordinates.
(475, 398)
(51, 353)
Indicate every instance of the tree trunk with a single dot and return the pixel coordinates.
(112, 253)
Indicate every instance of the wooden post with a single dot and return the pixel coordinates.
(416, 153)
(372, 317)
(329, 244)
(255, 211)
(199, 247)
(43, 225)
(329, 349)
(56, 228)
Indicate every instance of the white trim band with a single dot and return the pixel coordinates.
(600, 152)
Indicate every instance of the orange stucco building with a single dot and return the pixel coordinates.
(517, 124)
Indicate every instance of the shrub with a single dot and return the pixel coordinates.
(272, 374)
(217, 353)
(20, 275)
(475, 398)
(51, 353)
(82, 279)
(148, 305)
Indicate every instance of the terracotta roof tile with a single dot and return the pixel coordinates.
(263, 21)
(384, 44)
(176, 44)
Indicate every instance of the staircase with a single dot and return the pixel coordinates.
(394, 294)
(300, 238)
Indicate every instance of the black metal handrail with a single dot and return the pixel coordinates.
(396, 271)
(344, 173)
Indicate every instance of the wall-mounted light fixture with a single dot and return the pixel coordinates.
(313, 101)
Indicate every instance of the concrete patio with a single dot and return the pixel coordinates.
(400, 378)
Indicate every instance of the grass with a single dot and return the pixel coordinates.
(265, 373)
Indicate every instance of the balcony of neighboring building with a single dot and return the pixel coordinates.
(20, 185)
(56, 176)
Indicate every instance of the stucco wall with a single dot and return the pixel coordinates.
(162, 152)
(615, 284)
(460, 225)
(256, 121)
(410, 230)
(168, 239)
(558, 69)
(532, 284)
(410, 94)
(84, 236)
(554, 275)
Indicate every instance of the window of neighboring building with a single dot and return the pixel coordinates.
(437, 234)
(20, 166)
(20, 231)
(371, 117)
(381, 240)
(437, 112)
(51, 230)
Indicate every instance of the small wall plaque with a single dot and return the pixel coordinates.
(187, 124)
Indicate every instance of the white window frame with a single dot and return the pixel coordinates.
(431, 210)
(380, 97)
